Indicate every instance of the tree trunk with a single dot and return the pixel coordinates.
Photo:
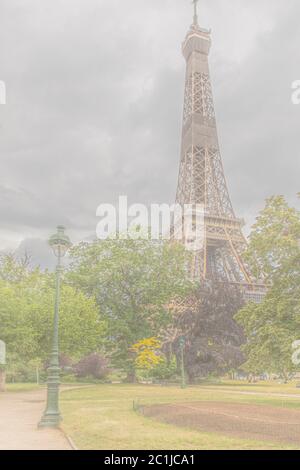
(131, 377)
(2, 380)
(191, 378)
(285, 377)
(169, 354)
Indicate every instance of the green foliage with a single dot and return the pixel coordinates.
(132, 281)
(272, 326)
(26, 316)
(166, 370)
(274, 237)
(22, 371)
(12, 269)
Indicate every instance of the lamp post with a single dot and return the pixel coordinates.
(182, 345)
(60, 243)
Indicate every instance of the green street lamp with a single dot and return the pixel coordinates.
(60, 243)
(182, 345)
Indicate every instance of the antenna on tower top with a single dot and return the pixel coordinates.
(195, 2)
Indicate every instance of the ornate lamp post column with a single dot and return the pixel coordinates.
(60, 243)
(182, 345)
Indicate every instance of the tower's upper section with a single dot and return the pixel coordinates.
(197, 40)
(201, 179)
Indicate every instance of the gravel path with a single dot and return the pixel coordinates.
(19, 414)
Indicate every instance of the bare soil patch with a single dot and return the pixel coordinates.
(257, 422)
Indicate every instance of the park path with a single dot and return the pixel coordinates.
(19, 414)
(246, 392)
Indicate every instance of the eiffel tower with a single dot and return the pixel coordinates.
(201, 175)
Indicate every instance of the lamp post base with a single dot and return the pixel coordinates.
(52, 417)
(50, 420)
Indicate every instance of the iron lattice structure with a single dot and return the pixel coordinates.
(201, 176)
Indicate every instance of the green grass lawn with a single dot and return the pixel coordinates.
(102, 416)
(266, 387)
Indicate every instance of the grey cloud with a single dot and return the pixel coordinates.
(95, 92)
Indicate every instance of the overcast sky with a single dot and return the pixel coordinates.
(95, 97)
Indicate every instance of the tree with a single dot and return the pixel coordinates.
(212, 337)
(81, 328)
(148, 354)
(272, 326)
(274, 237)
(26, 319)
(132, 281)
(13, 269)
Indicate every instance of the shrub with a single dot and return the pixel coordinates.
(165, 370)
(93, 365)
